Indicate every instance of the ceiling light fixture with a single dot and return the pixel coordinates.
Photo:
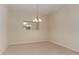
(28, 24)
(37, 18)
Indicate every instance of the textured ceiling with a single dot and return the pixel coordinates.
(44, 9)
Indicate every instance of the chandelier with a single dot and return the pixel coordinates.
(36, 20)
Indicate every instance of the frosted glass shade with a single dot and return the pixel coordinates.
(29, 25)
(37, 20)
(25, 23)
(40, 20)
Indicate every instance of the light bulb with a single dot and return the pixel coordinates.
(35, 20)
(25, 23)
(40, 20)
(29, 25)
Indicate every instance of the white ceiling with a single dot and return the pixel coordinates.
(44, 9)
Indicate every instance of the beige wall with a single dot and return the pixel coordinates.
(17, 33)
(3, 28)
(64, 27)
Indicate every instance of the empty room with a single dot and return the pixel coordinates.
(39, 29)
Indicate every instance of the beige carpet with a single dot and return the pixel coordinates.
(39, 48)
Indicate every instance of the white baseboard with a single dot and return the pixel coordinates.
(75, 50)
(26, 42)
